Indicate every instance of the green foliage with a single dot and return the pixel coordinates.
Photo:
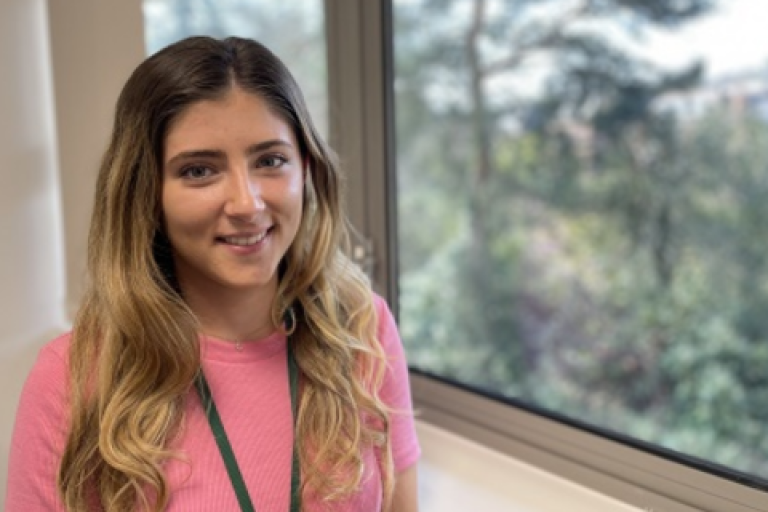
(583, 248)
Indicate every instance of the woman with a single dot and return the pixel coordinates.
(227, 354)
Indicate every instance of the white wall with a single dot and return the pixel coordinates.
(63, 65)
(30, 272)
(31, 277)
(94, 47)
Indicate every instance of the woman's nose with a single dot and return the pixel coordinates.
(245, 199)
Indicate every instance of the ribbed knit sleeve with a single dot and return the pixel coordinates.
(396, 391)
(39, 434)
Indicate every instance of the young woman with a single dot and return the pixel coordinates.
(227, 355)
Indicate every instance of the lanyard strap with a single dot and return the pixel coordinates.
(233, 470)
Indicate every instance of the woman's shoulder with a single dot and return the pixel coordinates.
(58, 346)
(49, 371)
(380, 304)
(386, 329)
(56, 351)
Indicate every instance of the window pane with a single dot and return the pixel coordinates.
(582, 211)
(294, 30)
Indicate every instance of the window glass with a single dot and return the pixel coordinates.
(582, 213)
(294, 30)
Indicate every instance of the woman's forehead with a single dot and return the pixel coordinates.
(237, 118)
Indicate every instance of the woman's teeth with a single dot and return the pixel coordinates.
(245, 240)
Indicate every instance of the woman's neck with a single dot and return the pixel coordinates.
(235, 315)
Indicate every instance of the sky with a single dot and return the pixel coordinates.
(733, 38)
(730, 40)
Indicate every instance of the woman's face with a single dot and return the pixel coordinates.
(232, 193)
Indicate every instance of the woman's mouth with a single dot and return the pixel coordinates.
(245, 240)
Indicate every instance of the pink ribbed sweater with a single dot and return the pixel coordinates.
(250, 388)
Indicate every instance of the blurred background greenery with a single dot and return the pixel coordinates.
(583, 228)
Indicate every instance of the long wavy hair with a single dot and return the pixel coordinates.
(135, 350)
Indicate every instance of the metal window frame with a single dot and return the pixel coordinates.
(629, 474)
(361, 126)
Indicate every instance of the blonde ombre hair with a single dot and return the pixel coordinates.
(135, 351)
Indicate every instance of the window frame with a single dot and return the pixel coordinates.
(361, 117)
(358, 100)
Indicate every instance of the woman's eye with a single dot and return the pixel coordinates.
(196, 172)
(272, 161)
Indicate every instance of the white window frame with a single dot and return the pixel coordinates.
(361, 127)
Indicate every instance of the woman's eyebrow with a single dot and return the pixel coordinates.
(196, 153)
(218, 154)
(267, 144)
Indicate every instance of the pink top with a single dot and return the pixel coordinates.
(251, 391)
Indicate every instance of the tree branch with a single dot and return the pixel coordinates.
(548, 37)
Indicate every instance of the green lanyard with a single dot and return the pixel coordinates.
(246, 505)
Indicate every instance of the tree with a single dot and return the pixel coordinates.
(498, 41)
(606, 250)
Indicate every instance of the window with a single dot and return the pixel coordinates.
(578, 232)
(294, 30)
(582, 219)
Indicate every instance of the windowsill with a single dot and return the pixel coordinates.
(457, 474)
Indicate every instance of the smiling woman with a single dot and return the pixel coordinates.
(228, 354)
(232, 200)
